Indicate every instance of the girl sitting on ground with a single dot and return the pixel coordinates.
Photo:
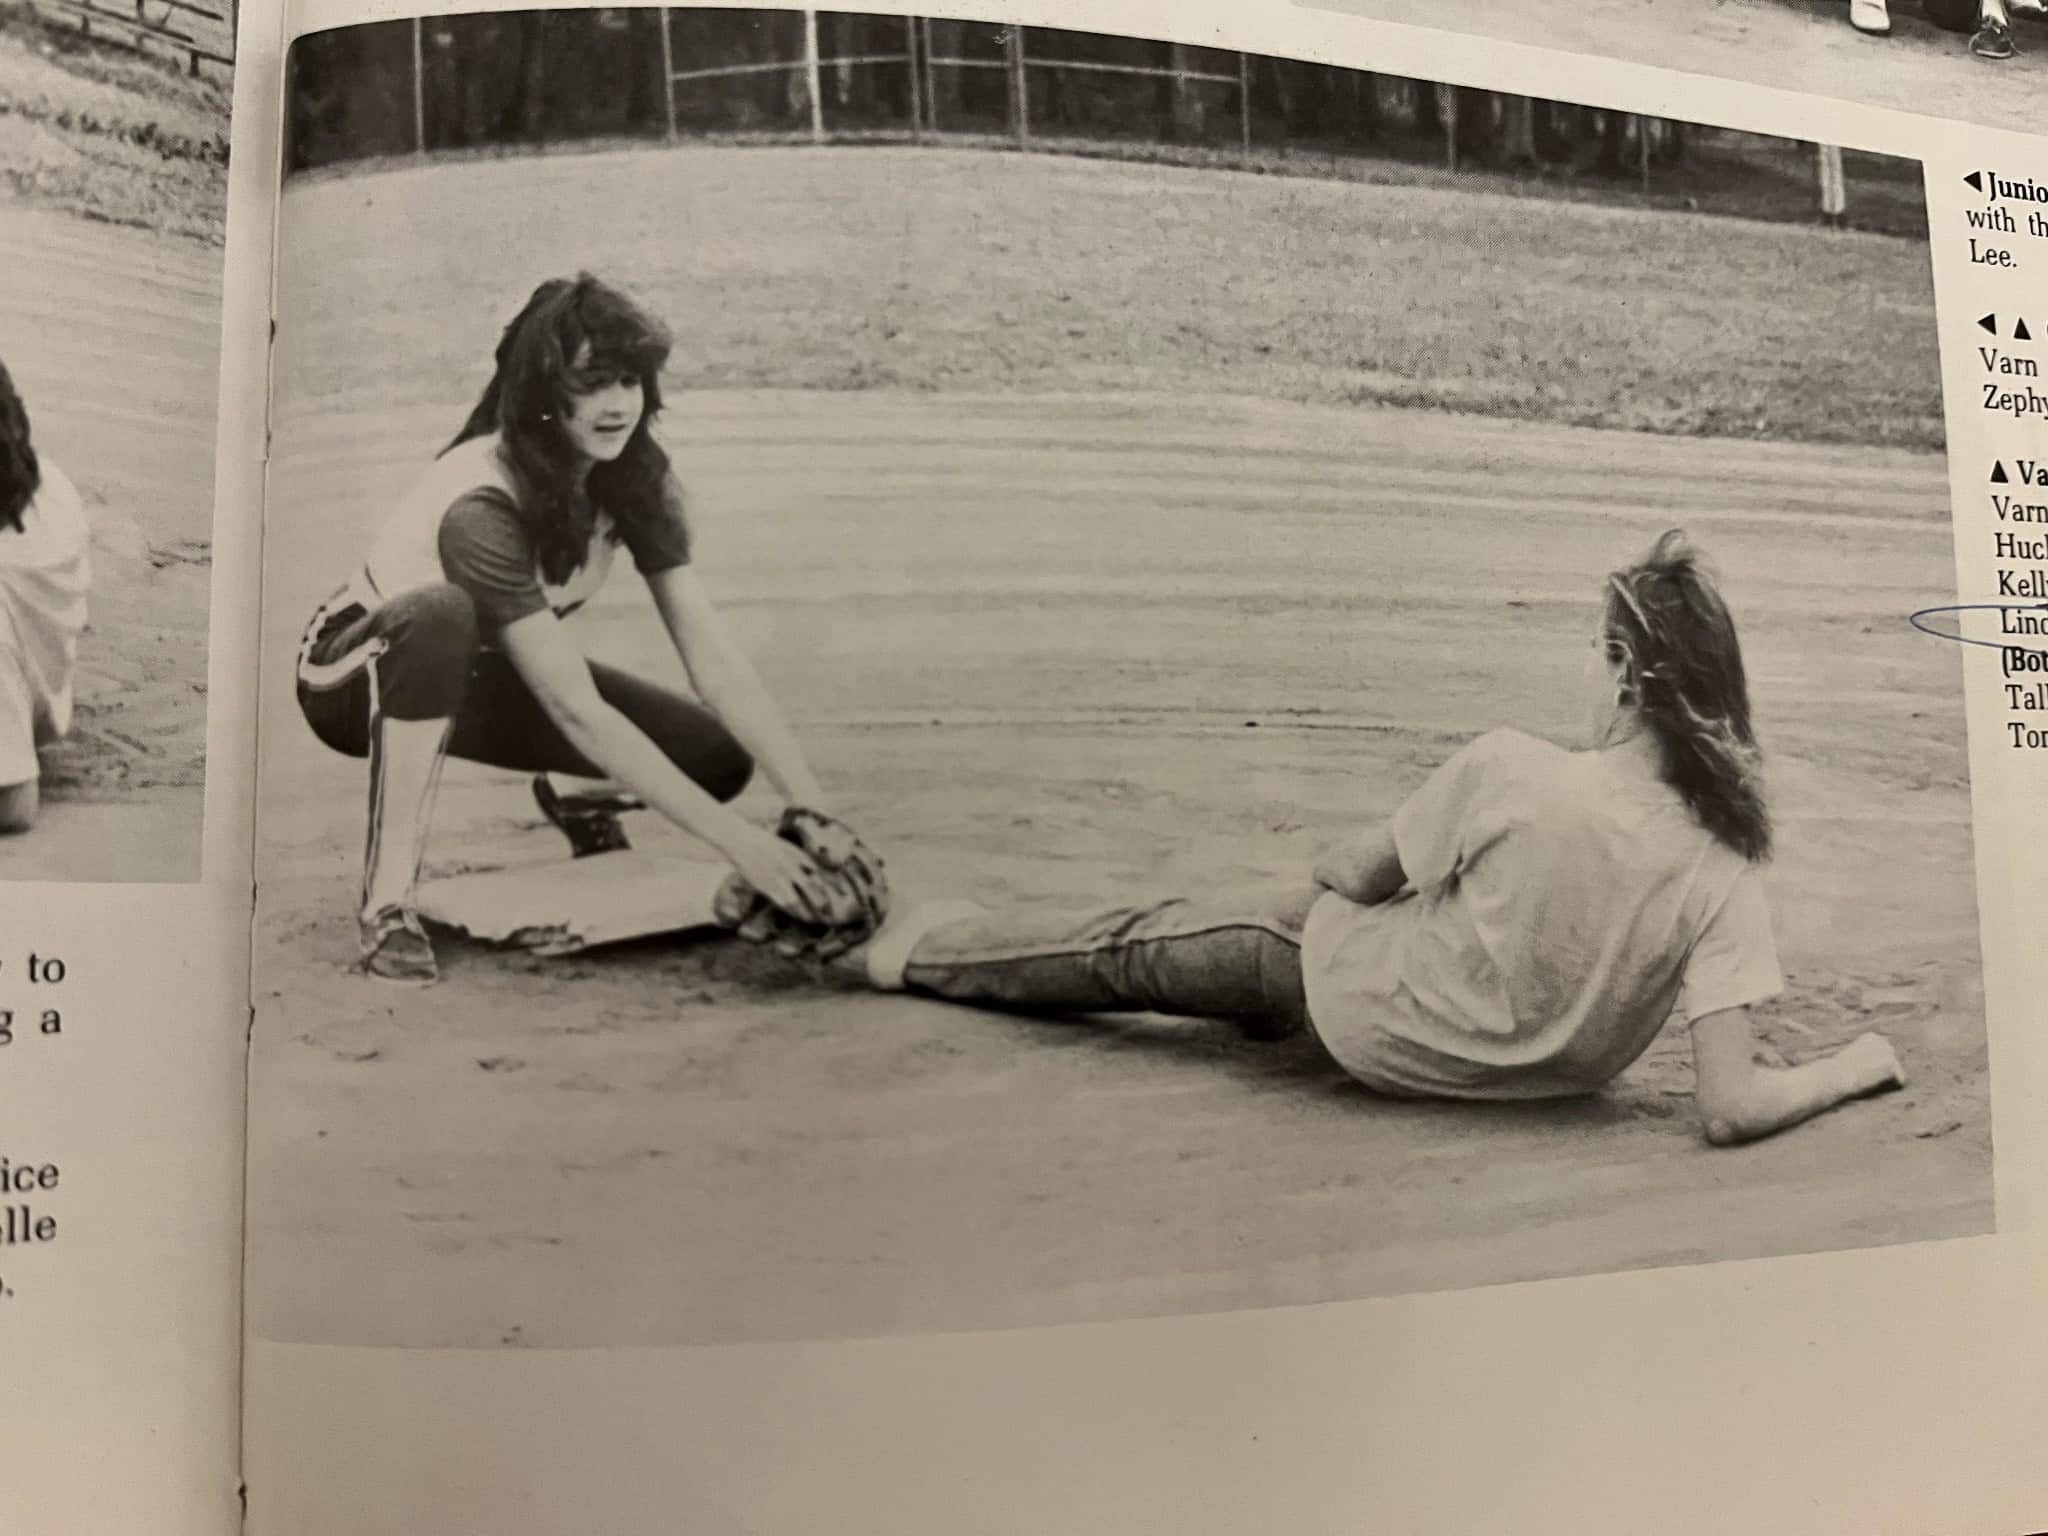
(1521, 929)
(45, 570)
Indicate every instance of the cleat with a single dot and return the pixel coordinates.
(396, 948)
(590, 822)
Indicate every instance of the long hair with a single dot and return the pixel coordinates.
(529, 393)
(1672, 640)
(21, 474)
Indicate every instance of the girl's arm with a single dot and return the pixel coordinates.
(1741, 1098)
(727, 681)
(1363, 867)
(550, 664)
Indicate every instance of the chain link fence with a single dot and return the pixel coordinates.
(690, 74)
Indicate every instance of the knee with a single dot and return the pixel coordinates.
(725, 773)
(18, 806)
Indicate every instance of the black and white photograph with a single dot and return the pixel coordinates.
(113, 205)
(1095, 678)
(1972, 61)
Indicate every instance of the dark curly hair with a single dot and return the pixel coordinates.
(529, 394)
(1672, 641)
(21, 475)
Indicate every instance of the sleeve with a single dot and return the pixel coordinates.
(485, 551)
(1433, 826)
(1734, 962)
(661, 543)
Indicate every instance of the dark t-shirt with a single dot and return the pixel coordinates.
(486, 552)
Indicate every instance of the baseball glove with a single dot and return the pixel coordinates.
(849, 899)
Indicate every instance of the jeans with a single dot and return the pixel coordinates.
(1232, 955)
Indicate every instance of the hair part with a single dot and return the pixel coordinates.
(529, 394)
(1670, 635)
(21, 473)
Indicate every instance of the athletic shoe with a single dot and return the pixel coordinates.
(396, 948)
(1870, 16)
(590, 822)
(1993, 41)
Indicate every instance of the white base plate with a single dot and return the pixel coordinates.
(567, 905)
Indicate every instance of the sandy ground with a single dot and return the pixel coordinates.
(112, 335)
(1797, 45)
(1049, 649)
(1077, 514)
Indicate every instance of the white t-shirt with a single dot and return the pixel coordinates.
(45, 570)
(1562, 907)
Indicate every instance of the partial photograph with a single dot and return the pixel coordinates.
(925, 676)
(113, 207)
(1975, 61)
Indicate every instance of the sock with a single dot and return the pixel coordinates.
(405, 769)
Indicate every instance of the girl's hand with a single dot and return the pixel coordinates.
(781, 872)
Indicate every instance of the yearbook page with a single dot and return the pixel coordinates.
(130, 477)
(1132, 766)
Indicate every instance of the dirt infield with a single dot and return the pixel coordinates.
(113, 338)
(952, 270)
(1061, 648)
(1796, 45)
(1053, 646)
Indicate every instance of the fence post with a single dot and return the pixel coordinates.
(812, 86)
(419, 90)
(931, 84)
(1244, 102)
(668, 76)
(1020, 93)
(1447, 115)
(911, 65)
(1834, 190)
(1183, 105)
(1645, 126)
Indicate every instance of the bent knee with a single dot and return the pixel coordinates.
(725, 773)
(18, 806)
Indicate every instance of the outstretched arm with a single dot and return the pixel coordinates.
(551, 665)
(1741, 1098)
(728, 683)
(1364, 867)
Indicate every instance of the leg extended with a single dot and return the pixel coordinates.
(1227, 957)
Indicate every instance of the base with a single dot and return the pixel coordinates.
(568, 905)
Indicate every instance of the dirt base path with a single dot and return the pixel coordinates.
(1795, 45)
(112, 336)
(1053, 649)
